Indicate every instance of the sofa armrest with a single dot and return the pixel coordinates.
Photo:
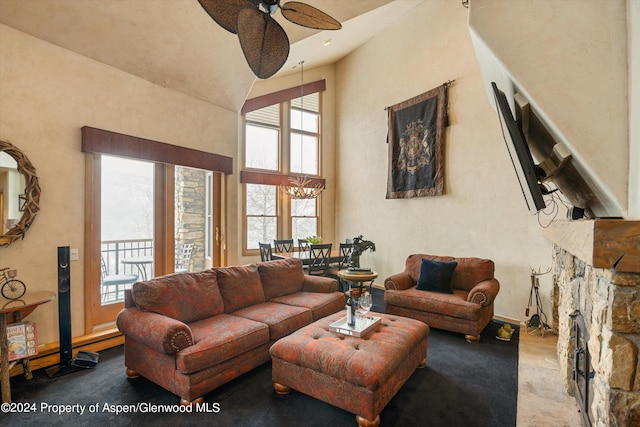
(485, 292)
(156, 331)
(320, 284)
(398, 281)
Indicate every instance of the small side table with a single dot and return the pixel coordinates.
(358, 277)
(16, 310)
(141, 263)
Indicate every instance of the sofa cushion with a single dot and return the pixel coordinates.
(282, 319)
(187, 297)
(220, 338)
(453, 305)
(240, 287)
(320, 304)
(436, 276)
(471, 271)
(281, 277)
(413, 264)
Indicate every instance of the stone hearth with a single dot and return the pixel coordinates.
(596, 267)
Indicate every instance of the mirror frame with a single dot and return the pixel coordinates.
(30, 199)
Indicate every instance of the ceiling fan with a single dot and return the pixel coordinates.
(264, 43)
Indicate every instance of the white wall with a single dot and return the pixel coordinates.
(482, 212)
(46, 95)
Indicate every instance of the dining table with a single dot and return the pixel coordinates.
(305, 255)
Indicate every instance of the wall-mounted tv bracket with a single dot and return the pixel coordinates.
(560, 155)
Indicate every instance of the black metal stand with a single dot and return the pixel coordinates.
(84, 359)
(537, 321)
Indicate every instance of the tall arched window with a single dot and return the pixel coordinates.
(282, 138)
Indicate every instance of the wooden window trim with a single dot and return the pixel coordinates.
(282, 96)
(117, 144)
(254, 177)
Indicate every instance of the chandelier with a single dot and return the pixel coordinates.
(298, 189)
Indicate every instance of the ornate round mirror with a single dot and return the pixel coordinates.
(19, 194)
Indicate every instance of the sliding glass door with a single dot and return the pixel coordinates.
(146, 219)
(127, 225)
(151, 208)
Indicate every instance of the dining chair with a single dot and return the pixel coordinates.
(183, 254)
(283, 245)
(303, 245)
(319, 256)
(345, 251)
(303, 248)
(265, 251)
(113, 285)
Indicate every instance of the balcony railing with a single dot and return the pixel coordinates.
(113, 252)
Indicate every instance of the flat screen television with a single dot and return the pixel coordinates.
(528, 173)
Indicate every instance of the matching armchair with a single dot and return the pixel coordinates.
(463, 303)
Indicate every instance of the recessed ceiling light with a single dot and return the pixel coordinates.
(327, 42)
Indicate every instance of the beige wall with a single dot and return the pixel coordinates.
(482, 212)
(47, 94)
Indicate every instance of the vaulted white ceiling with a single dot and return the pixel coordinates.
(175, 44)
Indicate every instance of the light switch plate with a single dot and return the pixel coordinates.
(74, 255)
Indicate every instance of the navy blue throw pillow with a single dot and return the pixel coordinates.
(436, 276)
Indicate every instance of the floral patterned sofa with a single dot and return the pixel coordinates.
(192, 332)
(463, 304)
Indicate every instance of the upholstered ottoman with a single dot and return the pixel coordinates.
(359, 375)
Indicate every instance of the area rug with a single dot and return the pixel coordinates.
(464, 384)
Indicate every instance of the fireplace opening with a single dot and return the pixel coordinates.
(582, 370)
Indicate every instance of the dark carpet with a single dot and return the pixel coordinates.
(463, 384)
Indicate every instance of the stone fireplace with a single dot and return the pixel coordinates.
(596, 267)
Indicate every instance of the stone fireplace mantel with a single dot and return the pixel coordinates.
(596, 273)
(602, 243)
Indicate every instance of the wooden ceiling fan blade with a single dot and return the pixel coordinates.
(308, 16)
(264, 43)
(225, 12)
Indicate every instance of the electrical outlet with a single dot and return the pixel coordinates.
(74, 255)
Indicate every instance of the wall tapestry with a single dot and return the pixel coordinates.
(416, 138)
